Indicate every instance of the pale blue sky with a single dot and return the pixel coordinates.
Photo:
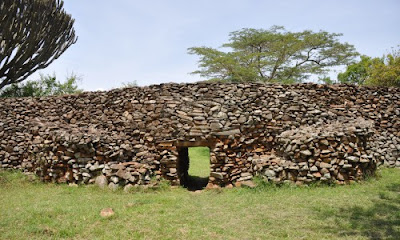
(126, 40)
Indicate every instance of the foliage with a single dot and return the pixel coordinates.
(46, 86)
(129, 84)
(33, 33)
(387, 72)
(384, 71)
(273, 55)
(326, 80)
(357, 73)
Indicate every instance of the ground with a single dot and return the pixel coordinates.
(199, 164)
(368, 210)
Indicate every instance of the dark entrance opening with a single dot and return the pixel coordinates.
(194, 167)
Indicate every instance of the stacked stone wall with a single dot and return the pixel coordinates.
(133, 135)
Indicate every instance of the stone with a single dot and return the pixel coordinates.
(306, 152)
(107, 212)
(317, 175)
(294, 108)
(325, 152)
(249, 184)
(227, 133)
(128, 188)
(114, 179)
(353, 159)
(340, 177)
(347, 166)
(324, 142)
(112, 186)
(270, 173)
(327, 176)
(216, 126)
(314, 169)
(217, 175)
(325, 165)
(210, 185)
(86, 175)
(121, 174)
(242, 119)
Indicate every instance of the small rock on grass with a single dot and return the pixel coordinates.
(197, 192)
(249, 184)
(106, 212)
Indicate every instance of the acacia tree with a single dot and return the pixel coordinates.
(33, 33)
(273, 55)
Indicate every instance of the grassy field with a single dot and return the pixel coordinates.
(199, 161)
(368, 210)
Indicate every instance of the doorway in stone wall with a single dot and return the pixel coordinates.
(194, 167)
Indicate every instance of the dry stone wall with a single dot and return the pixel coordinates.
(300, 133)
(338, 151)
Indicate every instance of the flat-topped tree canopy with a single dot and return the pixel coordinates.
(33, 33)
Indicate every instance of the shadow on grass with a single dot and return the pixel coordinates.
(379, 221)
(194, 183)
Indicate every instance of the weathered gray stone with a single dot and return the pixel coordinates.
(270, 173)
(217, 175)
(101, 181)
(306, 152)
(353, 159)
(325, 165)
(314, 169)
(227, 133)
(128, 188)
(113, 186)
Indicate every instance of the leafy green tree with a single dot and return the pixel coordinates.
(46, 86)
(387, 72)
(358, 73)
(33, 33)
(273, 55)
(327, 80)
(384, 71)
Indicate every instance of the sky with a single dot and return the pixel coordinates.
(122, 41)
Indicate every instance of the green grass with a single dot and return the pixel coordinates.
(370, 210)
(199, 164)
